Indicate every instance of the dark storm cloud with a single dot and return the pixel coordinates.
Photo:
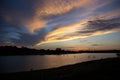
(19, 36)
(13, 13)
(101, 25)
(30, 39)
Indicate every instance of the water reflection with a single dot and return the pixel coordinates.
(26, 63)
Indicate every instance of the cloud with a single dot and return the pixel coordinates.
(96, 45)
(19, 36)
(49, 9)
(91, 28)
(109, 14)
(71, 18)
(32, 22)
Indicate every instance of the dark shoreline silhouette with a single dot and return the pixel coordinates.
(104, 69)
(13, 50)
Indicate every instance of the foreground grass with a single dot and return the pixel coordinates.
(104, 69)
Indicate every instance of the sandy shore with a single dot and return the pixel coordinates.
(104, 69)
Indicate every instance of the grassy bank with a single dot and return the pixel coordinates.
(104, 69)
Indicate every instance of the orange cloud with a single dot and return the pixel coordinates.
(35, 24)
(82, 29)
(52, 7)
(61, 7)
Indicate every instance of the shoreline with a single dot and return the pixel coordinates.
(106, 69)
(13, 50)
(56, 54)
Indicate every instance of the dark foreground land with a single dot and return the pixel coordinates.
(104, 69)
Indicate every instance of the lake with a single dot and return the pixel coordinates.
(9, 64)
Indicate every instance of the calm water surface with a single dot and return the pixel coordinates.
(10, 64)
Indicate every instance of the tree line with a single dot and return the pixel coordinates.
(13, 50)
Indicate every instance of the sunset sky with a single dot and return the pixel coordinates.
(66, 24)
